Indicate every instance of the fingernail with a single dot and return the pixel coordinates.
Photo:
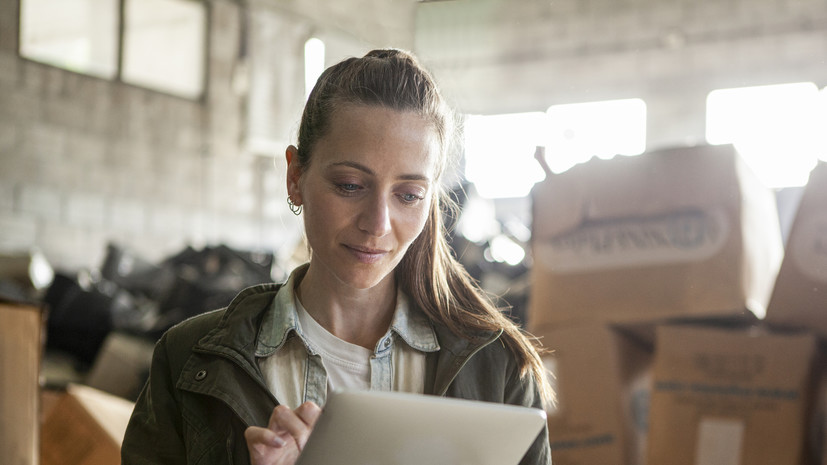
(278, 442)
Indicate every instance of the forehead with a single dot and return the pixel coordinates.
(380, 137)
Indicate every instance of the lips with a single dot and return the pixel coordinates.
(366, 254)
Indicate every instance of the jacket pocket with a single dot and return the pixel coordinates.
(205, 444)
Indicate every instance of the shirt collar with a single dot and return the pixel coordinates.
(282, 319)
(413, 326)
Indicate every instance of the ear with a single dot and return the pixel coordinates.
(294, 173)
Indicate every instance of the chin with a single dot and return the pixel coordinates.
(367, 280)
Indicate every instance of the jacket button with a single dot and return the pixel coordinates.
(201, 375)
(387, 342)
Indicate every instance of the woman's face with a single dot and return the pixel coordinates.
(367, 192)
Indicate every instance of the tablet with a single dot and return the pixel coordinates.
(394, 428)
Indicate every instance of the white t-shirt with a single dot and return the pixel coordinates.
(293, 373)
(347, 365)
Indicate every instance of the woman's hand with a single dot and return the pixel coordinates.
(284, 438)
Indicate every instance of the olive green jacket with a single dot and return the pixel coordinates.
(205, 387)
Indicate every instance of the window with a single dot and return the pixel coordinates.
(78, 35)
(163, 46)
(580, 131)
(499, 149)
(313, 64)
(777, 129)
(499, 153)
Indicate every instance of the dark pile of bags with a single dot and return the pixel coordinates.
(133, 296)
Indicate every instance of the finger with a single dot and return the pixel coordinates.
(289, 421)
(262, 444)
(309, 412)
(255, 436)
(272, 423)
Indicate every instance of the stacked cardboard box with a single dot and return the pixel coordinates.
(21, 333)
(800, 295)
(818, 424)
(85, 426)
(601, 387)
(121, 366)
(799, 299)
(675, 233)
(630, 246)
(723, 397)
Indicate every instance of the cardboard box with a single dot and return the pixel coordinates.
(674, 233)
(21, 342)
(49, 397)
(799, 298)
(818, 426)
(817, 438)
(602, 385)
(122, 365)
(26, 274)
(722, 397)
(85, 427)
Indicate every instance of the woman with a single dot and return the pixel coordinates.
(382, 303)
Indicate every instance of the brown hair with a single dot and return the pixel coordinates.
(428, 272)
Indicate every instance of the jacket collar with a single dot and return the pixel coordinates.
(240, 337)
(456, 351)
(281, 321)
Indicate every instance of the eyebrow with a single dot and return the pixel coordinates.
(365, 169)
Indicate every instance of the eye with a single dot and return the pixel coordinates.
(410, 198)
(348, 187)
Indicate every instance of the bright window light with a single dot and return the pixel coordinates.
(78, 35)
(778, 129)
(164, 43)
(313, 63)
(580, 131)
(503, 249)
(499, 153)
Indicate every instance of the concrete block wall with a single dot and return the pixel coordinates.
(504, 56)
(276, 36)
(85, 161)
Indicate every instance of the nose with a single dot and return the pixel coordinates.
(375, 217)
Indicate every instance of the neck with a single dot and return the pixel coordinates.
(358, 316)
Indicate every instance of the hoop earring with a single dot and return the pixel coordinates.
(296, 209)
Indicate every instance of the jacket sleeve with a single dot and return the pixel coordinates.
(154, 432)
(524, 391)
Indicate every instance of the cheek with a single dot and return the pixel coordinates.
(320, 220)
(415, 223)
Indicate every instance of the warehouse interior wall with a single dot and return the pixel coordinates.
(85, 161)
(671, 54)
